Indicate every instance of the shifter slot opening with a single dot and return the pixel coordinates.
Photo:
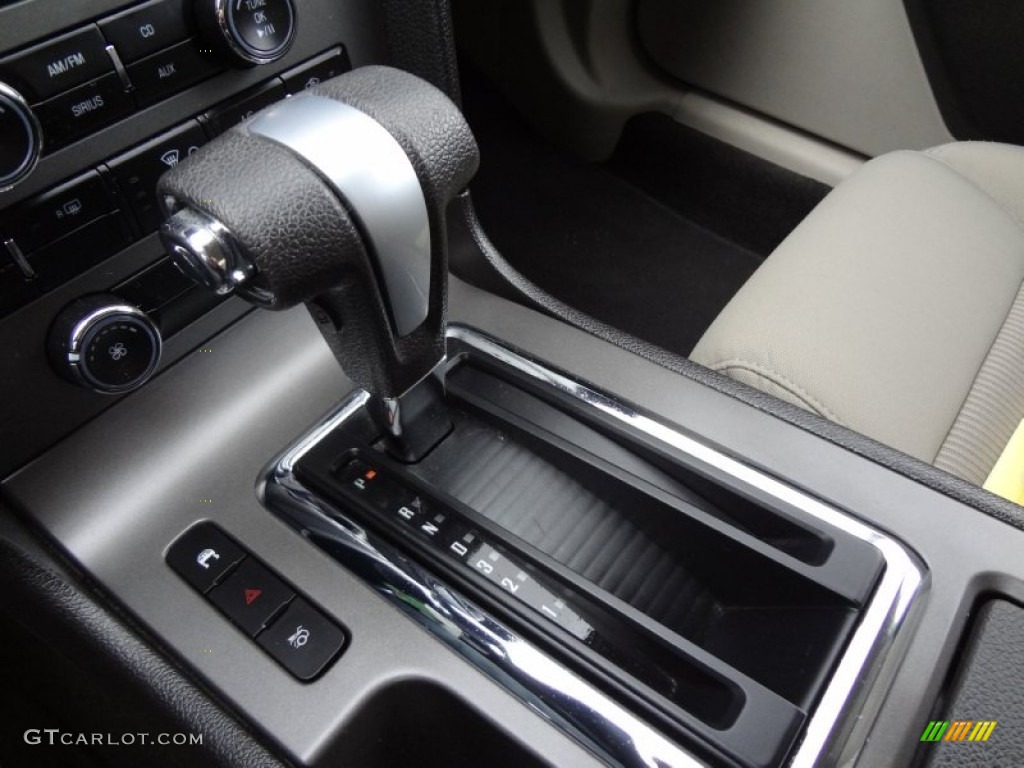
(648, 568)
(649, 549)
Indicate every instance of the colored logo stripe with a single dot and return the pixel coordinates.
(935, 730)
(982, 730)
(958, 730)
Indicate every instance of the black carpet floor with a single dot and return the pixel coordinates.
(654, 242)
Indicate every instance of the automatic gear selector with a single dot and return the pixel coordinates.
(658, 600)
(336, 198)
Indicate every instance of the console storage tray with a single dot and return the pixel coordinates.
(718, 612)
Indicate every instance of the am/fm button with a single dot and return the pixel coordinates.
(56, 66)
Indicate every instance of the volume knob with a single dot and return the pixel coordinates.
(20, 141)
(249, 31)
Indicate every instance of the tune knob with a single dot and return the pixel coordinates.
(20, 140)
(105, 345)
(248, 31)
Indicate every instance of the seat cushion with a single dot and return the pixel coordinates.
(880, 310)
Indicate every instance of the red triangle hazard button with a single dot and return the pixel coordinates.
(251, 595)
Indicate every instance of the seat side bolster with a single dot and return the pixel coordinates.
(759, 376)
(994, 168)
(879, 309)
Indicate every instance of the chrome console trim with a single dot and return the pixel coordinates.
(833, 734)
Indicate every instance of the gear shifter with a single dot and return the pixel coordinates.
(336, 198)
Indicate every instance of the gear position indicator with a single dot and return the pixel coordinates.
(448, 532)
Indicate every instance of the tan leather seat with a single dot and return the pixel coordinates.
(895, 308)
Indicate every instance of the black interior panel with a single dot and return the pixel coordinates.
(973, 53)
(987, 687)
(411, 723)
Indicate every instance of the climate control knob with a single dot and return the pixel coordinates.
(248, 31)
(20, 141)
(105, 345)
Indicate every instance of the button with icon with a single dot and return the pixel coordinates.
(251, 596)
(303, 640)
(311, 73)
(158, 76)
(58, 212)
(137, 171)
(203, 555)
(146, 29)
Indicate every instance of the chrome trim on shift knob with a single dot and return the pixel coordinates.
(370, 171)
(206, 251)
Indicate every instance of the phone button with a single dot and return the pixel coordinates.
(203, 555)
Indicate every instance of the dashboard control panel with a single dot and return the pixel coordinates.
(85, 79)
(108, 207)
(98, 98)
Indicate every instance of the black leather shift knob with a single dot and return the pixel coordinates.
(336, 198)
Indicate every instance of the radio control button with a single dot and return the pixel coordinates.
(248, 31)
(55, 66)
(147, 29)
(78, 112)
(158, 76)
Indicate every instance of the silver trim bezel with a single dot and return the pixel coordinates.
(205, 249)
(835, 730)
(240, 49)
(81, 329)
(22, 109)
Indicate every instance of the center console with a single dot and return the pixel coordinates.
(627, 580)
(486, 535)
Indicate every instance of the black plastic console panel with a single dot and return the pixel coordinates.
(979, 720)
